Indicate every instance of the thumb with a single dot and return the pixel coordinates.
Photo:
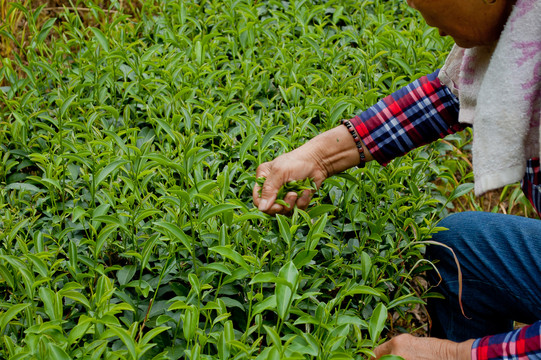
(274, 179)
(383, 349)
(268, 193)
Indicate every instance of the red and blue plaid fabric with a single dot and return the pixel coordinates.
(520, 344)
(415, 115)
(418, 114)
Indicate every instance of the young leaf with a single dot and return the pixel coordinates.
(284, 293)
(215, 210)
(461, 190)
(232, 255)
(126, 338)
(107, 170)
(285, 230)
(66, 104)
(11, 312)
(377, 322)
(56, 352)
(100, 37)
(190, 322)
(172, 230)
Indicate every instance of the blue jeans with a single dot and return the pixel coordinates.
(500, 260)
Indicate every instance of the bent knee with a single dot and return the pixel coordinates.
(459, 229)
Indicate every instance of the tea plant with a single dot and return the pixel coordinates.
(129, 146)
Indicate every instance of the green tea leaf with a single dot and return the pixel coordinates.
(10, 314)
(217, 267)
(66, 104)
(151, 334)
(274, 337)
(103, 173)
(50, 303)
(126, 339)
(79, 330)
(100, 37)
(285, 230)
(175, 232)
(377, 322)
(363, 289)
(232, 255)
(216, 210)
(267, 304)
(76, 296)
(461, 190)
(103, 236)
(125, 274)
(284, 293)
(268, 277)
(57, 352)
(23, 186)
(304, 257)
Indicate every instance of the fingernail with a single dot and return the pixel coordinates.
(263, 205)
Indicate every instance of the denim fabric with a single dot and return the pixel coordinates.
(500, 260)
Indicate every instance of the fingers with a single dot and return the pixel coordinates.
(291, 200)
(304, 200)
(273, 208)
(270, 189)
(257, 194)
(285, 172)
(265, 196)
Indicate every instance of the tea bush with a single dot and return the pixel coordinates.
(129, 146)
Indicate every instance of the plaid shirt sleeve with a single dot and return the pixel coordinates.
(418, 114)
(415, 115)
(520, 344)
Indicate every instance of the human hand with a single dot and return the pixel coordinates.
(411, 347)
(327, 154)
(296, 165)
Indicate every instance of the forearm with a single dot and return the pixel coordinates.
(335, 149)
(464, 350)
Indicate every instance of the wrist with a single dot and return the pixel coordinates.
(358, 142)
(335, 150)
(463, 350)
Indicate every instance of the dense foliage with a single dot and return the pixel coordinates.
(129, 146)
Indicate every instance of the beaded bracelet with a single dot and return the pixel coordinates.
(357, 140)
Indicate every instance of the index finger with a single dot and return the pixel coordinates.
(264, 195)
